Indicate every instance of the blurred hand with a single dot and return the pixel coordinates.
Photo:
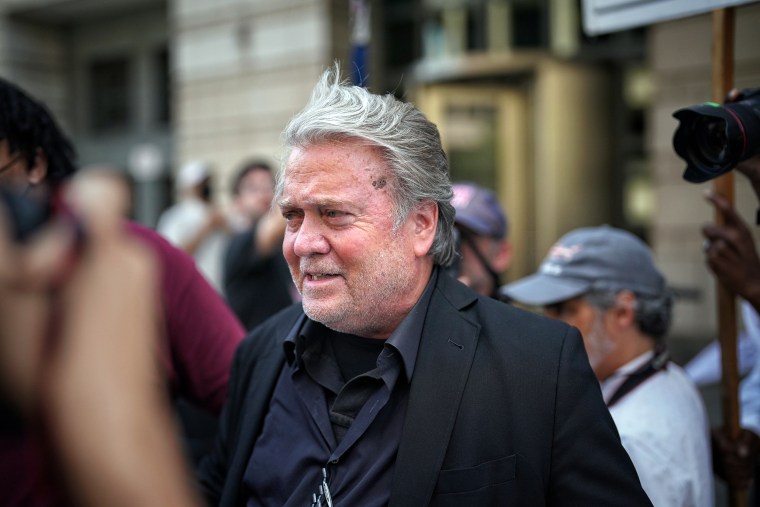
(30, 279)
(734, 460)
(27, 274)
(731, 254)
(217, 220)
(270, 231)
(78, 345)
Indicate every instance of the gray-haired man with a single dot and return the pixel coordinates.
(603, 281)
(392, 383)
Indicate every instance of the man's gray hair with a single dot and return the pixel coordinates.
(410, 143)
(653, 313)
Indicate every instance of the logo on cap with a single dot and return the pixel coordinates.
(559, 251)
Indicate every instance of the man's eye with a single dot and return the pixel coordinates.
(337, 218)
(290, 216)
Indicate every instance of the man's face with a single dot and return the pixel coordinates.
(472, 272)
(591, 322)
(255, 193)
(356, 273)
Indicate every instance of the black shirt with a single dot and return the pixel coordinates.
(255, 286)
(319, 420)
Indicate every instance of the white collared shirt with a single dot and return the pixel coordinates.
(181, 222)
(750, 387)
(663, 426)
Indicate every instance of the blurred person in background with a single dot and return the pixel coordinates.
(198, 334)
(257, 283)
(485, 251)
(195, 224)
(604, 281)
(731, 254)
(79, 322)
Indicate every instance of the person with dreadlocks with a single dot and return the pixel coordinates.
(199, 332)
(33, 152)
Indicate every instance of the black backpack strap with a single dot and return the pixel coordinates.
(657, 363)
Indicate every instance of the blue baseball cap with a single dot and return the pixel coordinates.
(478, 209)
(586, 260)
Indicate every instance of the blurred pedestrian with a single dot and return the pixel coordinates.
(732, 256)
(198, 334)
(195, 224)
(257, 283)
(485, 251)
(79, 323)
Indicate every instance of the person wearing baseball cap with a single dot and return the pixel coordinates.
(603, 281)
(483, 232)
(195, 224)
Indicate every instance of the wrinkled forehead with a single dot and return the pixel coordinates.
(346, 153)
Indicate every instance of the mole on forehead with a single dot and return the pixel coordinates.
(379, 183)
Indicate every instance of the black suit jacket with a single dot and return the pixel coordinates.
(503, 410)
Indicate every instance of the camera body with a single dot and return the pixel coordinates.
(713, 139)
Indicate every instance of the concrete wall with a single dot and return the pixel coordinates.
(572, 150)
(241, 69)
(35, 57)
(680, 58)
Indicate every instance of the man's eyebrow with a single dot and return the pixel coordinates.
(284, 203)
(320, 203)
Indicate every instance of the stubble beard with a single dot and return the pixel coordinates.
(368, 304)
(600, 346)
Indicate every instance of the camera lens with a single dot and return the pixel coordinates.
(711, 140)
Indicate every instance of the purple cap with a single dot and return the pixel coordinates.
(479, 210)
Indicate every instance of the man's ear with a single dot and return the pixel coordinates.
(37, 173)
(425, 222)
(625, 309)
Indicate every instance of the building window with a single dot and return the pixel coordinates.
(529, 20)
(473, 136)
(163, 87)
(109, 95)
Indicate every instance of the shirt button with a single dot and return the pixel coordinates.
(335, 461)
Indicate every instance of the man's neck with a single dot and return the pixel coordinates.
(629, 348)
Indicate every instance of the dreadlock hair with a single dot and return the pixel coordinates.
(26, 124)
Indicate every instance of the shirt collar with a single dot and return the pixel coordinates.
(614, 381)
(405, 338)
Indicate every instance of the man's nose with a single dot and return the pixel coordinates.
(310, 239)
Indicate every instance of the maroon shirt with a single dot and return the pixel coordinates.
(201, 335)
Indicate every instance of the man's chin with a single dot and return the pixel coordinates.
(322, 313)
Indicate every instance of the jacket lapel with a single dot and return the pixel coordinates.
(264, 370)
(446, 352)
